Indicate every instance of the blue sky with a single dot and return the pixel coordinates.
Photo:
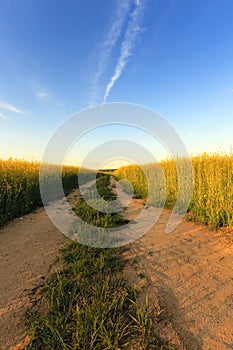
(59, 57)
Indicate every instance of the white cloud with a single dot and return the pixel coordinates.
(42, 95)
(9, 107)
(109, 43)
(3, 116)
(131, 35)
(47, 97)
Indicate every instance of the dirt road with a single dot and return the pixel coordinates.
(28, 247)
(189, 272)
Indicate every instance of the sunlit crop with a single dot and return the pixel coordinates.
(19, 185)
(212, 200)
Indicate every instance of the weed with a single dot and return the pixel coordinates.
(89, 304)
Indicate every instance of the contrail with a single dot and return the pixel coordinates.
(110, 42)
(131, 35)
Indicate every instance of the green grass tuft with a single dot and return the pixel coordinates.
(88, 305)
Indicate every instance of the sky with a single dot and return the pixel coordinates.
(58, 58)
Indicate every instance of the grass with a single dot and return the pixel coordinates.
(19, 185)
(212, 199)
(93, 231)
(211, 203)
(88, 304)
(102, 186)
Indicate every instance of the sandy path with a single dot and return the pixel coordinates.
(28, 247)
(190, 271)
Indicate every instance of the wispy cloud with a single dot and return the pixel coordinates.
(109, 43)
(3, 116)
(9, 107)
(130, 39)
(42, 96)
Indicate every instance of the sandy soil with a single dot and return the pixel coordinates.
(187, 274)
(28, 249)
